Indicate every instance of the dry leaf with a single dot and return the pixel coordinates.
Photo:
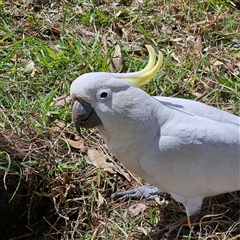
(57, 47)
(237, 64)
(59, 125)
(176, 39)
(137, 208)
(98, 159)
(176, 59)
(62, 100)
(30, 65)
(101, 200)
(237, 56)
(33, 73)
(167, 29)
(117, 59)
(229, 65)
(217, 63)
(198, 45)
(205, 23)
(190, 40)
(77, 144)
(56, 30)
(226, 62)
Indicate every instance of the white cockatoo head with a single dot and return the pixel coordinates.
(101, 96)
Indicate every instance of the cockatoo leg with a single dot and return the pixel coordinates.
(192, 205)
(148, 192)
(189, 222)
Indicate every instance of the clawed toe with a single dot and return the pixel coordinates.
(148, 192)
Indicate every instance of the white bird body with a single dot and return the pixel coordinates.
(192, 159)
(183, 147)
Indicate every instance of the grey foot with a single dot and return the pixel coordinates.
(148, 192)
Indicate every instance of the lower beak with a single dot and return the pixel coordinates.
(83, 115)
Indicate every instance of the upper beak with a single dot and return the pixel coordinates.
(83, 115)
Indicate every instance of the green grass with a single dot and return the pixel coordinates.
(45, 182)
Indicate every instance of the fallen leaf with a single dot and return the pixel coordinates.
(237, 56)
(190, 40)
(98, 159)
(137, 208)
(217, 63)
(204, 24)
(167, 29)
(33, 73)
(237, 64)
(130, 23)
(77, 144)
(56, 30)
(222, 61)
(117, 59)
(175, 58)
(229, 65)
(118, 13)
(62, 100)
(52, 31)
(57, 47)
(198, 45)
(101, 200)
(176, 39)
(59, 125)
(30, 65)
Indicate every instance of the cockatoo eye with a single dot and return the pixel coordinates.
(104, 94)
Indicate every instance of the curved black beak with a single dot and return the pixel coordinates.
(83, 115)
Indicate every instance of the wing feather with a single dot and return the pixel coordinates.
(195, 156)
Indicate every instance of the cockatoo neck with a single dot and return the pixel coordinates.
(131, 121)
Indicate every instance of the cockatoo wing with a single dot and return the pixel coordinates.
(195, 157)
(199, 109)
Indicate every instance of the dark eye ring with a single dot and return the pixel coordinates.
(103, 95)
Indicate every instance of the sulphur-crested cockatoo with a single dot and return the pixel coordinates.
(183, 147)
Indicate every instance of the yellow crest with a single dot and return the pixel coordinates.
(144, 76)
